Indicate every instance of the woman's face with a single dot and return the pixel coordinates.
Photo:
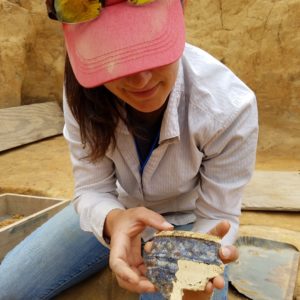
(146, 91)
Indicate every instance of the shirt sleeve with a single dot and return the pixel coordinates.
(95, 183)
(228, 164)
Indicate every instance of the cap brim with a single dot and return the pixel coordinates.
(124, 40)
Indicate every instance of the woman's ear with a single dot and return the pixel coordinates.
(183, 4)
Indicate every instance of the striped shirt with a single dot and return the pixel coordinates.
(197, 173)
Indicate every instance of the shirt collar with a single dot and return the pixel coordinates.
(170, 128)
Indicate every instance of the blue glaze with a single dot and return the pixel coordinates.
(174, 248)
(166, 251)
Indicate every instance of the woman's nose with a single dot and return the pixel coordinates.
(139, 80)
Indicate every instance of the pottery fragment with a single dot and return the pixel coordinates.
(182, 260)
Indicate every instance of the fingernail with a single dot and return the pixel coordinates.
(167, 224)
(225, 252)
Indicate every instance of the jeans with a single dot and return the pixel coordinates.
(53, 258)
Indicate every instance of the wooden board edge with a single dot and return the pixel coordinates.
(32, 197)
(13, 226)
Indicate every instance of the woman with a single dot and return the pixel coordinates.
(161, 136)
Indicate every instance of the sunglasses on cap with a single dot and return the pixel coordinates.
(78, 11)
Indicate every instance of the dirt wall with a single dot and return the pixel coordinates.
(258, 39)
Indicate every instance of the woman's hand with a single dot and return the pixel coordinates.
(124, 228)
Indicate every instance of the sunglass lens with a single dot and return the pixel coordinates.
(140, 2)
(77, 11)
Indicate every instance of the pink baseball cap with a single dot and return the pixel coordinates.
(125, 39)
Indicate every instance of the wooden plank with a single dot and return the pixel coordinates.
(12, 234)
(29, 123)
(277, 191)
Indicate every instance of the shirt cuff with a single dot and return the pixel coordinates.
(93, 209)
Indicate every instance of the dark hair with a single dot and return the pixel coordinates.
(97, 112)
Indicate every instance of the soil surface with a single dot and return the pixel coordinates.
(44, 169)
